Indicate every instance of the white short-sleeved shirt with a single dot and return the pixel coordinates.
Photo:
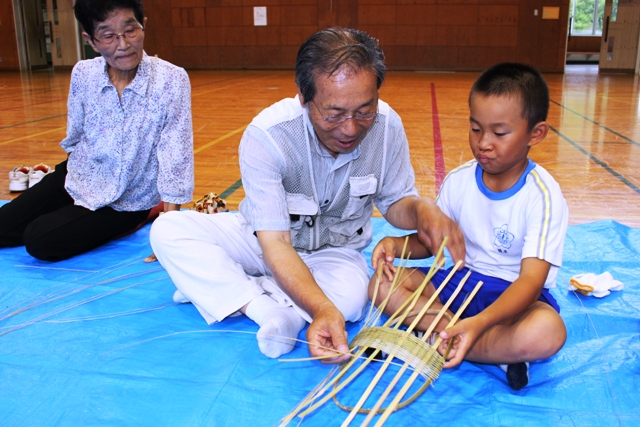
(527, 221)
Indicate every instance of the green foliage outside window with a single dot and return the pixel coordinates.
(586, 20)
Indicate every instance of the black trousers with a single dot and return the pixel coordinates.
(52, 228)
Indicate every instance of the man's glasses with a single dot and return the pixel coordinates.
(339, 118)
(109, 38)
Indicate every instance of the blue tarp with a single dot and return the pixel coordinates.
(97, 340)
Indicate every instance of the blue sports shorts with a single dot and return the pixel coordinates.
(491, 289)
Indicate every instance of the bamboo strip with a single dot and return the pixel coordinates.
(357, 355)
(426, 335)
(398, 344)
(376, 351)
(394, 404)
(394, 351)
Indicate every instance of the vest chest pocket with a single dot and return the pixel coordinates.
(301, 208)
(361, 190)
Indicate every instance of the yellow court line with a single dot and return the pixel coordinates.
(31, 136)
(222, 138)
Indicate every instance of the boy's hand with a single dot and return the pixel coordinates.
(464, 333)
(385, 253)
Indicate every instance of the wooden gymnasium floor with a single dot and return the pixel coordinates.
(593, 149)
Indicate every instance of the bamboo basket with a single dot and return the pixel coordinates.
(417, 354)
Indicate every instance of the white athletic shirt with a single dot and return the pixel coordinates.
(500, 229)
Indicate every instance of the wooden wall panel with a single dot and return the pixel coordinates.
(416, 34)
(9, 45)
(385, 33)
(158, 34)
(584, 44)
(225, 16)
(408, 15)
(498, 15)
(299, 15)
(225, 57)
(295, 35)
(457, 14)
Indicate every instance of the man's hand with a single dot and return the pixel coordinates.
(294, 277)
(434, 226)
(423, 215)
(328, 330)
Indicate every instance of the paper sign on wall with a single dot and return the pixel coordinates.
(260, 16)
(550, 12)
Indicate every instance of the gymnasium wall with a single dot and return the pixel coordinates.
(8, 44)
(415, 34)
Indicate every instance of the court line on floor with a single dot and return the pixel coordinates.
(33, 121)
(597, 123)
(597, 161)
(242, 82)
(32, 135)
(222, 138)
(221, 80)
(437, 141)
(229, 191)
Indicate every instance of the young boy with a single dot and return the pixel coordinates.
(514, 219)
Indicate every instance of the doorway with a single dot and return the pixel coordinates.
(35, 27)
(620, 36)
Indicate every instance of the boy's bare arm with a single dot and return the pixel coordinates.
(514, 300)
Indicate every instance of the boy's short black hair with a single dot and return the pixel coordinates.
(88, 12)
(511, 78)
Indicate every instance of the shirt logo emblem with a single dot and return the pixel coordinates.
(503, 239)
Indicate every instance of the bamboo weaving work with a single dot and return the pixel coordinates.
(417, 354)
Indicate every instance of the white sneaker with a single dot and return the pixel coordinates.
(37, 173)
(19, 178)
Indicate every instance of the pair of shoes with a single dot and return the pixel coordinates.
(19, 178)
(37, 173)
(23, 177)
(517, 374)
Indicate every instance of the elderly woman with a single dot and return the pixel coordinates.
(129, 143)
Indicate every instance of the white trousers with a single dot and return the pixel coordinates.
(215, 261)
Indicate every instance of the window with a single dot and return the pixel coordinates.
(587, 17)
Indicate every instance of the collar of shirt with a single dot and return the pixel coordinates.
(140, 81)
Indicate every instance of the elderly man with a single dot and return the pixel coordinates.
(312, 168)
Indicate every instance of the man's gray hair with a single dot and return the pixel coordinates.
(329, 50)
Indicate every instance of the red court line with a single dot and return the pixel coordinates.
(437, 141)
